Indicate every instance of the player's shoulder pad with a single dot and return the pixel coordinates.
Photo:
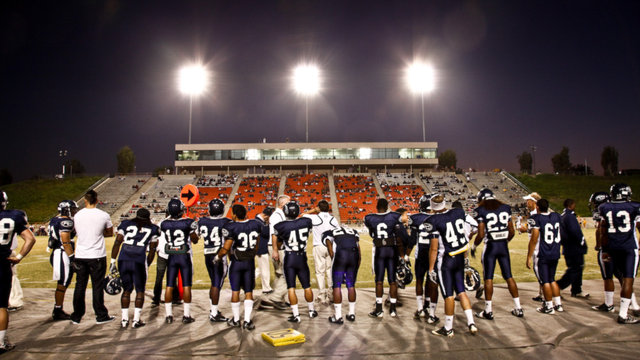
(66, 224)
(531, 222)
(428, 226)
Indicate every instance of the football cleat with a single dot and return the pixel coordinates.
(546, 310)
(603, 307)
(313, 314)
(333, 320)
(168, 319)
(351, 317)
(582, 295)
(392, 310)
(217, 318)
(635, 312)
(105, 319)
(376, 314)
(233, 323)
(473, 329)
(59, 314)
(187, 319)
(6, 347)
(627, 320)
(558, 308)
(138, 324)
(538, 298)
(294, 319)
(124, 323)
(248, 325)
(443, 332)
(433, 319)
(485, 315)
(517, 312)
(418, 314)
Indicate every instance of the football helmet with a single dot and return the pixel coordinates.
(403, 273)
(67, 208)
(598, 198)
(216, 207)
(620, 192)
(472, 280)
(485, 194)
(4, 200)
(424, 202)
(291, 210)
(113, 283)
(175, 208)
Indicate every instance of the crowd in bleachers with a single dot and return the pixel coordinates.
(255, 193)
(217, 180)
(503, 188)
(116, 191)
(401, 189)
(307, 189)
(356, 195)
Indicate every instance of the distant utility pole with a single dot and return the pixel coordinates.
(533, 159)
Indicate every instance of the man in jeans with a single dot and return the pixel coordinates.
(90, 258)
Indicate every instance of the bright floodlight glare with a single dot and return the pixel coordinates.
(420, 78)
(306, 80)
(193, 80)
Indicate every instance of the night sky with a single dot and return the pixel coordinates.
(93, 76)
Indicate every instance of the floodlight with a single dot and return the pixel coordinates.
(193, 80)
(306, 79)
(420, 78)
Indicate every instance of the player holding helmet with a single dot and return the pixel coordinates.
(61, 233)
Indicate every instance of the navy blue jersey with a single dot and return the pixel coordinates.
(245, 235)
(59, 225)
(210, 229)
(136, 240)
(419, 235)
(263, 245)
(344, 238)
(176, 233)
(382, 227)
(12, 223)
(294, 233)
(548, 246)
(618, 219)
(449, 228)
(496, 222)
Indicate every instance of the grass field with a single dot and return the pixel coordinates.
(35, 270)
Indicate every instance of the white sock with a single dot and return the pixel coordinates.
(338, 309)
(352, 308)
(294, 310)
(214, 309)
(624, 307)
(448, 322)
(634, 303)
(187, 309)
(557, 300)
(378, 300)
(125, 314)
(393, 300)
(136, 314)
(432, 308)
(310, 305)
(167, 309)
(419, 302)
(2, 334)
(248, 307)
(549, 304)
(469, 314)
(516, 303)
(235, 309)
(487, 306)
(608, 298)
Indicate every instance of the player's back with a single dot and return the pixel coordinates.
(548, 224)
(496, 221)
(619, 221)
(343, 237)
(176, 234)
(449, 226)
(12, 222)
(382, 227)
(294, 233)
(245, 235)
(210, 229)
(136, 239)
(57, 225)
(419, 234)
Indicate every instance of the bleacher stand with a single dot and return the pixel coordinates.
(257, 192)
(504, 190)
(448, 184)
(213, 187)
(401, 190)
(117, 190)
(356, 195)
(156, 198)
(307, 189)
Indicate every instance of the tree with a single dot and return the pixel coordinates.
(609, 160)
(447, 159)
(126, 160)
(580, 169)
(560, 161)
(5, 177)
(526, 162)
(75, 167)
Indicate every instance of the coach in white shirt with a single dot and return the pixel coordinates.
(90, 258)
(277, 297)
(322, 221)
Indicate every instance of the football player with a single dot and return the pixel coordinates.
(420, 238)
(179, 234)
(293, 234)
(387, 250)
(617, 232)
(447, 246)
(241, 242)
(544, 252)
(210, 229)
(12, 222)
(496, 229)
(344, 249)
(61, 233)
(135, 236)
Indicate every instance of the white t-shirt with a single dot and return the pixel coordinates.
(321, 222)
(276, 217)
(90, 225)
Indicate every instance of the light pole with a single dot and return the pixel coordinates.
(63, 154)
(193, 80)
(420, 80)
(533, 159)
(306, 82)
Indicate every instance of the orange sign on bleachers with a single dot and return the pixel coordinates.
(189, 195)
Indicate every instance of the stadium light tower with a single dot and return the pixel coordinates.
(193, 80)
(421, 80)
(306, 82)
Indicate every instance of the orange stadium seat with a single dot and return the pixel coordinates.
(255, 193)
